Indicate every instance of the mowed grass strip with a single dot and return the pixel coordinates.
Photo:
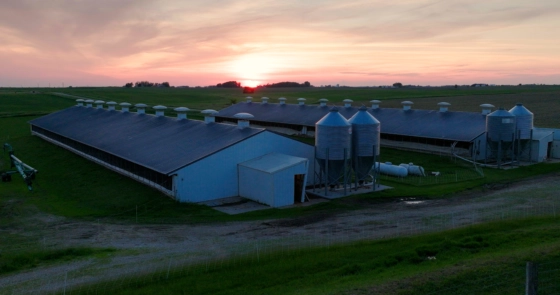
(12, 262)
(449, 261)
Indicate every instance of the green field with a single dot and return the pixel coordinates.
(73, 188)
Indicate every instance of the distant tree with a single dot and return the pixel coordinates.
(229, 84)
(165, 84)
(248, 89)
(143, 84)
(286, 84)
(128, 85)
(398, 84)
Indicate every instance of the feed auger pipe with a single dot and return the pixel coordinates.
(27, 172)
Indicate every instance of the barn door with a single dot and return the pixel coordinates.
(298, 187)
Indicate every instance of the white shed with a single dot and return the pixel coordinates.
(542, 144)
(273, 179)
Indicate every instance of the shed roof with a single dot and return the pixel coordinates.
(161, 143)
(539, 134)
(458, 126)
(273, 162)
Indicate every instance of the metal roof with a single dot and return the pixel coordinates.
(162, 144)
(273, 162)
(458, 126)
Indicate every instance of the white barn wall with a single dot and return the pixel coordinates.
(284, 185)
(256, 185)
(215, 176)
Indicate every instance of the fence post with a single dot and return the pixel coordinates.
(531, 281)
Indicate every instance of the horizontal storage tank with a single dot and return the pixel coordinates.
(500, 125)
(524, 121)
(333, 142)
(388, 168)
(365, 142)
(414, 169)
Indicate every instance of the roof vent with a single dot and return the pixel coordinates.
(323, 102)
(89, 103)
(111, 105)
(443, 106)
(282, 100)
(375, 104)
(99, 104)
(80, 102)
(209, 116)
(264, 100)
(301, 101)
(486, 108)
(243, 121)
(407, 105)
(181, 112)
(140, 108)
(159, 110)
(125, 106)
(248, 99)
(347, 103)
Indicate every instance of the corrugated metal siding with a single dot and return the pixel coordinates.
(161, 144)
(455, 126)
(216, 177)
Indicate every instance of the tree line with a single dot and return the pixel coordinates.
(146, 84)
(235, 84)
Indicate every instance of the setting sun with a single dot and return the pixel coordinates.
(250, 83)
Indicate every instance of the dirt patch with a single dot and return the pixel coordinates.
(299, 221)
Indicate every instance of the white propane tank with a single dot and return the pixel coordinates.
(413, 169)
(390, 169)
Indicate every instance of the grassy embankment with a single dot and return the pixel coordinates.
(481, 259)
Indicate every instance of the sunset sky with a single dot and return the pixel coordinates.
(350, 42)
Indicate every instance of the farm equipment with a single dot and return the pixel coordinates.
(27, 172)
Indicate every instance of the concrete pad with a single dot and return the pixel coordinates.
(235, 205)
(350, 190)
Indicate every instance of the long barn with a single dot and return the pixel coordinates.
(432, 127)
(189, 160)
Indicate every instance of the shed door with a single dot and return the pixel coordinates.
(298, 187)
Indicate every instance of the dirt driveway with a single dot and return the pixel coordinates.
(149, 247)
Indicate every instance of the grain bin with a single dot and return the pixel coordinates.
(524, 121)
(333, 141)
(365, 142)
(500, 126)
(500, 132)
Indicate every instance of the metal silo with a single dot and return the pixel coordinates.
(365, 142)
(333, 140)
(523, 132)
(524, 121)
(500, 126)
(500, 132)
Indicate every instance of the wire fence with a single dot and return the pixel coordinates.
(83, 277)
(435, 177)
